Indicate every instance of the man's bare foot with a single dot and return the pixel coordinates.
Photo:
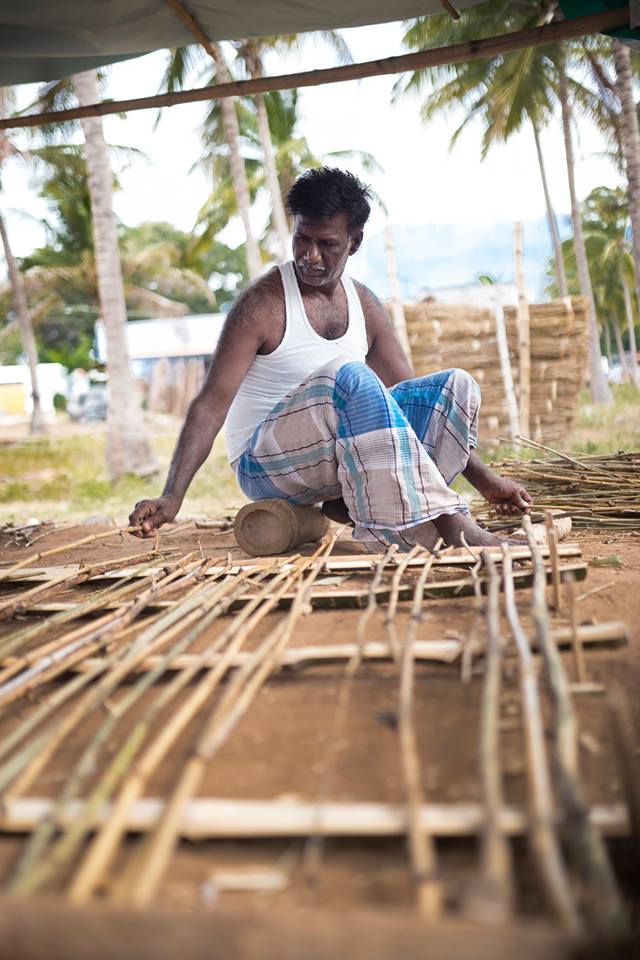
(452, 527)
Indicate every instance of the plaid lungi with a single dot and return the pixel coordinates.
(390, 453)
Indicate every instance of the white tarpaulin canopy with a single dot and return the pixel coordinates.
(43, 40)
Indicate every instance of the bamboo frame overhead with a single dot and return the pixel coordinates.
(439, 56)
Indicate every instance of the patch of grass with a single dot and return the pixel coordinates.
(64, 477)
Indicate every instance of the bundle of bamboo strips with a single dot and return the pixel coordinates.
(594, 490)
(444, 335)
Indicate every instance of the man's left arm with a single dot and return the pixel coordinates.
(386, 356)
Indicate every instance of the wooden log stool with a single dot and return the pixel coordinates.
(269, 527)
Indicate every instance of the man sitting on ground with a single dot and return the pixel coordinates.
(320, 402)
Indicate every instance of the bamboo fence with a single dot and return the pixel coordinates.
(444, 335)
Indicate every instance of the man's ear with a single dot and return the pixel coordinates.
(356, 240)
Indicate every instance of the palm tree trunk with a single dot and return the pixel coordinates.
(551, 219)
(600, 390)
(631, 147)
(128, 447)
(281, 227)
(607, 342)
(271, 173)
(238, 173)
(631, 329)
(26, 329)
(624, 371)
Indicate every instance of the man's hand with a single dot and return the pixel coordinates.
(151, 514)
(508, 496)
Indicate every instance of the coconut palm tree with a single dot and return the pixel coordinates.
(7, 149)
(504, 91)
(221, 130)
(128, 448)
(630, 147)
(606, 220)
(292, 155)
(251, 53)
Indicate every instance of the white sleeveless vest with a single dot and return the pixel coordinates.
(301, 352)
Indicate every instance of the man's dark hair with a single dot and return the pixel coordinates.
(322, 192)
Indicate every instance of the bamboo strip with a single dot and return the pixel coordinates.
(313, 850)
(603, 906)
(392, 607)
(75, 610)
(593, 634)
(421, 845)
(493, 898)
(208, 818)
(451, 557)
(543, 841)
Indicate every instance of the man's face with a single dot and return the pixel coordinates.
(321, 249)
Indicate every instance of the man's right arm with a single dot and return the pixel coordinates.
(243, 334)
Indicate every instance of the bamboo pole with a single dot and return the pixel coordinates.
(544, 843)
(603, 634)
(524, 337)
(493, 899)
(209, 818)
(398, 318)
(421, 845)
(602, 902)
(455, 53)
(505, 369)
(223, 719)
(552, 542)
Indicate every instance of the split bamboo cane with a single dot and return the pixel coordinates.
(603, 905)
(493, 898)
(544, 843)
(421, 845)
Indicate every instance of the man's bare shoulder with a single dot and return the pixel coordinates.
(259, 299)
(373, 309)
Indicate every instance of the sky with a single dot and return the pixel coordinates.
(423, 183)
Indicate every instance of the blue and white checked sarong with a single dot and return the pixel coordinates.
(390, 453)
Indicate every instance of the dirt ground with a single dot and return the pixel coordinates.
(288, 746)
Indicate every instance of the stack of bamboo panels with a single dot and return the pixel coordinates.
(446, 335)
